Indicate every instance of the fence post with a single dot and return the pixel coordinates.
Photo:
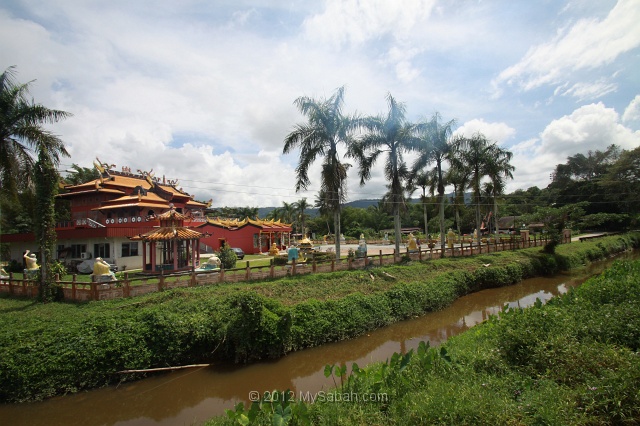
(333, 265)
(349, 263)
(192, 281)
(293, 267)
(161, 281)
(10, 282)
(272, 269)
(94, 290)
(314, 267)
(74, 277)
(380, 257)
(420, 254)
(126, 289)
(247, 273)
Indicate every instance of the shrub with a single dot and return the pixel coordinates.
(227, 257)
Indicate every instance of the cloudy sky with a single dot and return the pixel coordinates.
(203, 91)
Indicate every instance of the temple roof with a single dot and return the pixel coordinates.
(270, 225)
(169, 233)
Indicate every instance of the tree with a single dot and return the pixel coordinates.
(393, 135)
(300, 207)
(459, 178)
(475, 155)
(435, 146)
(22, 136)
(499, 169)
(426, 181)
(78, 175)
(320, 136)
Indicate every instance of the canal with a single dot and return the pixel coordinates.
(192, 396)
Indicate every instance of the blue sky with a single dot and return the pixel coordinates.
(203, 91)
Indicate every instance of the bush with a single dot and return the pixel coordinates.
(228, 257)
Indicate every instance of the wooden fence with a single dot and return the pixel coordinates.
(131, 286)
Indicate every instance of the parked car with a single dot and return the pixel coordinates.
(239, 253)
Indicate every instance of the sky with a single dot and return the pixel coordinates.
(203, 91)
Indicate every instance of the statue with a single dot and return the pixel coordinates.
(361, 251)
(413, 246)
(214, 261)
(342, 239)
(101, 271)
(386, 238)
(475, 234)
(3, 273)
(292, 254)
(31, 261)
(451, 236)
(273, 251)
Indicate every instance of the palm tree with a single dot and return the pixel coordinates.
(300, 207)
(21, 138)
(436, 147)
(474, 155)
(393, 135)
(428, 182)
(498, 171)
(459, 178)
(21, 134)
(325, 129)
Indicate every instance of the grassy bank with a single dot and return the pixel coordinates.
(57, 348)
(573, 361)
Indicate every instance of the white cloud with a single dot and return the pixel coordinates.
(588, 44)
(356, 22)
(591, 127)
(498, 132)
(590, 91)
(632, 112)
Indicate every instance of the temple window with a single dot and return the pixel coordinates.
(101, 250)
(129, 249)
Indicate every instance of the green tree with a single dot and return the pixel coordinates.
(301, 206)
(78, 175)
(326, 128)
(480, 158)
(392, 135)
(499, 169)
(21, 136)
(435, 146)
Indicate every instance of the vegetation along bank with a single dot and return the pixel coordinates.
(573, 361)
(55, 348)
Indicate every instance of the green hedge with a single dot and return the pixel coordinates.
(56, 348)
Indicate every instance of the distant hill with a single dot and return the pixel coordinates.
(360, 204)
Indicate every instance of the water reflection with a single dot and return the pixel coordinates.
(192, 396)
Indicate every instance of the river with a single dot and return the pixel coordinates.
(189, 397)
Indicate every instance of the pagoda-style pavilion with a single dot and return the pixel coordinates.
(172, 246)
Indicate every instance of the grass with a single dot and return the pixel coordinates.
(573, 361)
(243, 322)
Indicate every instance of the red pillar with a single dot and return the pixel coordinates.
(144, 255)
(175, 254)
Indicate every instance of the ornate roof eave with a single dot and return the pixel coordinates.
(169, 233)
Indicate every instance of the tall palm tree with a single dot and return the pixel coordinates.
(393, 135)
(324, 131)
(459, 178)
(435, 146)
(474, 155)
(300, 207)
(498, 171)
(22, 138)
(427, 181)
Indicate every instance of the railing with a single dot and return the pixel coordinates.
(134, 286)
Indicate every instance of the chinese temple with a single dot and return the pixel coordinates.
(252, 236)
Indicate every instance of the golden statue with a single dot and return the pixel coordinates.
(413, 246)
(451, 236)
(100, 267)
(273, 251)
(31, 261)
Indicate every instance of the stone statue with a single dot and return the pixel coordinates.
(273, 251)
(292, 254)
(475, 234)
(214, 261)
(361, 251)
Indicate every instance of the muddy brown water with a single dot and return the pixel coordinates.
(189, 397)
